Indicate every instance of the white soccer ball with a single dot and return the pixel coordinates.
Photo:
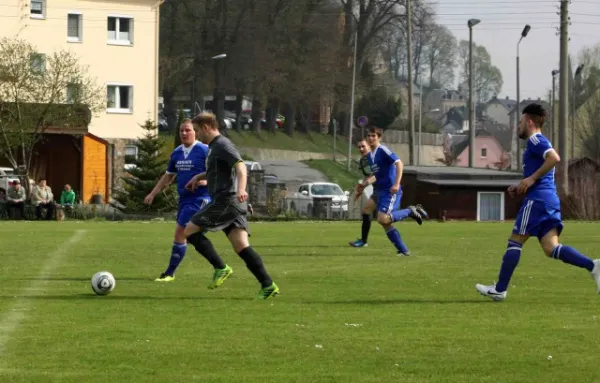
(103, 283)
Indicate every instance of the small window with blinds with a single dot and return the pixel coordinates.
(74, 32)
(37, 9)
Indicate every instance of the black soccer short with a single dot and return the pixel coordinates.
(222, 214)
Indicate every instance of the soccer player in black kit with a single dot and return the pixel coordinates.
(226, 176)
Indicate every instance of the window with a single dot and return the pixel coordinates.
(73, 93)
(483, 152)
(38, 63)
(74, 27)
(490, 206)
(119, 99)
(37, 9)
(131, 153)
(120, 30)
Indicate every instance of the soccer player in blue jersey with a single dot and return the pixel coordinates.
(387, 169)
(187, 160)
(539, 215)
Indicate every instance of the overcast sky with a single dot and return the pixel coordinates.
(500, 29)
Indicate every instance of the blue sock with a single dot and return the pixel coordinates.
(569, 255)
(395, 238)
(399, 215)
(177, 255)
(509, 264)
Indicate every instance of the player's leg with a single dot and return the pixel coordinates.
(521, 232)
(549, 233)
(177, 253)
(367, 213)
(238, 236)
(194, 232)
(185, 213)
(386, 203)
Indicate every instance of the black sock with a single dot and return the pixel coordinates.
(255, 264)
(205, 247)
(366, 226)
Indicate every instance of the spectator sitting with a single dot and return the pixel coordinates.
(43, 198)
(15, 199)
(67, 197)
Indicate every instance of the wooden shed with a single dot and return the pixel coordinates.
(77, 158)
(461, 193)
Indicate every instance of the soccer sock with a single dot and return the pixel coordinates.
(399, 215)
(366, 227)
(394, 236)
(177, 255)
(205, 247)
(509, 264)
(255, 264)
(569, 255)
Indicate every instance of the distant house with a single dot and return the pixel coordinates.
(461, 193)
(498, 109)
(444, 100)
(583, 189)
(492, 148)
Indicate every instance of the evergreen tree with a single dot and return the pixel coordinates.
(140, 179)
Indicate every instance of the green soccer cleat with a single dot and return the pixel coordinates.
(220, 276)
(165, 278)
(268, 292)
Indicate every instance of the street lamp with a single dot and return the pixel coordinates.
(194, 102)
(574, 99)
(554, 73)
(351, 122)
(518, 110)
(471, 23)
(218, 96)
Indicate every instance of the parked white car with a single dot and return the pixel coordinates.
(302, 201)
(252, 165)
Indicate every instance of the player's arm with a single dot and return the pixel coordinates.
(399, 170)
(241, 175)
(551, 159)
(162, 183)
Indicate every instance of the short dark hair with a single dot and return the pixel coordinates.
(375, 130)
(536, 113)
(206, 118)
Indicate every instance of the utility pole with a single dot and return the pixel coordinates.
(411, 120)
(518, 110)
(472, 127)
(552, 135)
(563, 109)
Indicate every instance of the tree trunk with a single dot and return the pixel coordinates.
(239, 99)
(256, 114)
(271, 114)
(290, 118)
(219, 94)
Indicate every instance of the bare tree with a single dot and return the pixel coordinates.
(488, 78)
(441, 54)
(38, 92)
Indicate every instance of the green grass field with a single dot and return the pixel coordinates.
(343, 315)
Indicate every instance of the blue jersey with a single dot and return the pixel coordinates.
(544, 189)
(186, 163)
(383, 166)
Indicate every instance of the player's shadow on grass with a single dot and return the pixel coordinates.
(80, 279)
(399, 301)
(90, 296)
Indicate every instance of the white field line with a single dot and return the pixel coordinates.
(14, 316)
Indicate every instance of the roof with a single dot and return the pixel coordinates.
(583, 159)
(507, 103)
(489, 183)
(524, 103)
(459, 171)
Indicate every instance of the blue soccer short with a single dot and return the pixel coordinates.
(186, 210)
(536, 219)
(388, 202)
